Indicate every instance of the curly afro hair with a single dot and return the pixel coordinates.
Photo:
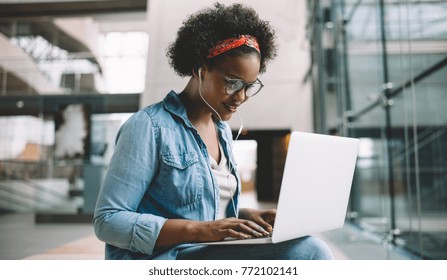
(204, 29)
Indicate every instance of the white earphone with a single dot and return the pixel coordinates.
(201, 94)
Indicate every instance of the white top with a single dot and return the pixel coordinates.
(226, 181)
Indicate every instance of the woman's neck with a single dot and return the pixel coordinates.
(201, 118)
(198, 113)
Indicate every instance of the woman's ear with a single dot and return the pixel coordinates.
(198, 72)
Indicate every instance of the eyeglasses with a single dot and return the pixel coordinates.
(235, 85)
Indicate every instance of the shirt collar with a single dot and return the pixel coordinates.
(175, 106)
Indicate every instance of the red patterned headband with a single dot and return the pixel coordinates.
(233, 43)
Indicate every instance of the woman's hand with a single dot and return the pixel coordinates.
(264, 218)
(253, 223)
(229, 228)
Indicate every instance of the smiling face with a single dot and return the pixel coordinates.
(214, 83)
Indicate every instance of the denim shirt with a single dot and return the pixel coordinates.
(160, 170)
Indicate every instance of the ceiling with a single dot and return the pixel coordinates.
(36, 17)
(16, 9)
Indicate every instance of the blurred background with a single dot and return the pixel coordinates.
(71, 72)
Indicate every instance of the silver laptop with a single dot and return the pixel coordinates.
(315, 187)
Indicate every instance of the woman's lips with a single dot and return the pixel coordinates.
(230, 107)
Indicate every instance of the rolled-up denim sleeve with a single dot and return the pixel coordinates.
(130, 172)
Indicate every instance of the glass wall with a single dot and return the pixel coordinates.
(66, 87)
(379, 71)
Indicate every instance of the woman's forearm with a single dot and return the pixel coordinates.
(177, 231)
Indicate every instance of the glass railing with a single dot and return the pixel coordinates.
(57, 129)
(63, 97)
(45, 170)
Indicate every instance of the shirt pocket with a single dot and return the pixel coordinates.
(180, 186)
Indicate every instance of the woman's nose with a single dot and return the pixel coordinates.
(240, 95)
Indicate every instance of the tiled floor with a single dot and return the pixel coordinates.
(21, 238)
(86, 248)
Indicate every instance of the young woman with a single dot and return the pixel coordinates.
(172, 181)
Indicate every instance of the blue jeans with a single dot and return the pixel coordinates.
(305, 248)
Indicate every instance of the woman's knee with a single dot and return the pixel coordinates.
(309, 248)
(315, 248)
